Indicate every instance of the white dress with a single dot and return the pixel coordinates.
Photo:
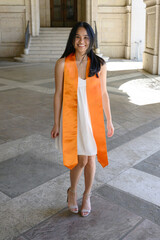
(85, 140)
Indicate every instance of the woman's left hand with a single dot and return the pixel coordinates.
(110, 129)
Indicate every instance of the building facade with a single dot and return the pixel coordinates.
(113, 19)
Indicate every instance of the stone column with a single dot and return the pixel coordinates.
(88, 11)
(151, 54)
(159, 52)
(35, 13)
(128, 30)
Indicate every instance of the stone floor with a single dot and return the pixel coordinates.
(33, 181)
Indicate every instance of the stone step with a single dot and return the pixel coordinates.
(57, 37)
(48, 41)
(45, 52)
(46, 47)
(54, 32)
(35, 60)
(39, 55)
(53, 35)
(52, 40)
(50, 29)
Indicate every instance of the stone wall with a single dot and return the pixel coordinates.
(113, 24)
(113, 19)
(14, 16)
(151, 57)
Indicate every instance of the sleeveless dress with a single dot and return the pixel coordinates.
(86, 144)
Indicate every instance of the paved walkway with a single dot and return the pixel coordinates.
(33, 181)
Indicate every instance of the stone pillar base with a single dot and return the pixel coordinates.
(150, 63)
(97, 50)
(127, 52)
(26, 51)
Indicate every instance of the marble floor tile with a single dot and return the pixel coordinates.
(113, 73)
(38, 114)
(116, 91)
(20, 146)
(130, 135)
(19, 238)
(145, 231)
(13, 133)
(36, 205)
(151, 140)
(145, 209)
(131, 77)
(145, 112)
(5, 115)
(2, 141)
(7, 62)
(1, 85)
(10, 226)
(48, 85)
(3, 198)
(154, 159)
(39, 89)
(32, 207)
(103, 175)
(148, 168)
(29, 73)
(111, 224)
(20, 122)
(124, 76)
(26, 106)
(25, 172)
(43, 81)
(135, 151)
(5, 88)
(23, 98)
(138, 183)
(130, 126)
(124, 155)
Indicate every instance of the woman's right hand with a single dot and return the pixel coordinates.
(55, 131)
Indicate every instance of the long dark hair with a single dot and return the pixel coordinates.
(96, 61)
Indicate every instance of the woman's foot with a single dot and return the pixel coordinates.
(72, 202)
(86, 205)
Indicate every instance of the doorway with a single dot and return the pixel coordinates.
(63, 13)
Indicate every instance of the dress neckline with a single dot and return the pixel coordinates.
(82, 79)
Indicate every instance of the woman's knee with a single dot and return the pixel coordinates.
(91, 161)
(82, 161)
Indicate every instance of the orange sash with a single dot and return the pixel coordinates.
(94, 97)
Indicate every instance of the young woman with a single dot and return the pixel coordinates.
(79, 100)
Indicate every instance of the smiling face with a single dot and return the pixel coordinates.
(82, 40)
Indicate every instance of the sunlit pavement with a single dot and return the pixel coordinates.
(33, 181)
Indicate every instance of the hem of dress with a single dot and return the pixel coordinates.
(82, 154)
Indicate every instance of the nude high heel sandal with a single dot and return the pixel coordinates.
(86, 212)
(72, 208)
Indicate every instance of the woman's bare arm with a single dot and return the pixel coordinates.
(58, 96)
(106, 101)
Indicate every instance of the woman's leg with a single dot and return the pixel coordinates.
(75, 174)
(89, 173)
